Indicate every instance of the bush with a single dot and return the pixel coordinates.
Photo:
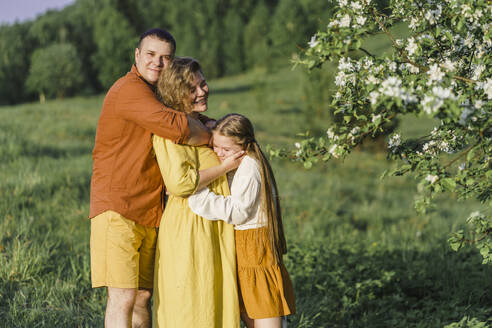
(55, 71)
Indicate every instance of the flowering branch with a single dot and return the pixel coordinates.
(449, 42)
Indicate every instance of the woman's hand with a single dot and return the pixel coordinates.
(229, 163)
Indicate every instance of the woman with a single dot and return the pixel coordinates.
(195, 276)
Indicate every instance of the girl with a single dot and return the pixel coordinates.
(266, 293)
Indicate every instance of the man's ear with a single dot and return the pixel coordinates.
(137, 53)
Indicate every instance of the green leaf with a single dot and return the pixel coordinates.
(448, 184)
(470, 154)
(347, 119)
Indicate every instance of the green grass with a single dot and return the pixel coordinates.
(359, 255)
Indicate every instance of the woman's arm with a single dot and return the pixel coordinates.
(178, 166)
(179, 169)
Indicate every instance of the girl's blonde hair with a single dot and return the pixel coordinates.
(176, 81)
(240, 129)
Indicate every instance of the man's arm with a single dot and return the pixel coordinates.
(136, 102)
(199, 134)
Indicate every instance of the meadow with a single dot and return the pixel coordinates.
(359, 255)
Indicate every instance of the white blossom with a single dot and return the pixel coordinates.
(477, 71)
(411, 46)
(333, 150)
(345, 64)
(394, 141)
(355, 130)
(431, 178)
(345, 21)
(465, 114)
(330, 133)
(433, 15)
(478, 104)
(356, 5)
(373, 97)
(474, 214)
(465, 10)
(361, 20)
(462, 166)
(444, 146)
(448, 65)
(313, 43)
(367, 62)
(469, 40)
(372, 79)
(375, 118)
(412, 68)
(391, 87)
(341, 79)
(435, 73)
(487, 88)
(342, 3)
(298, 145)
(414, 23)
(408, 97)
(443, 93)
(431, 104)
(333, 23)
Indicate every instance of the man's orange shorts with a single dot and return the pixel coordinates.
(122, 252)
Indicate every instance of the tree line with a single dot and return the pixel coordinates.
(85, 47)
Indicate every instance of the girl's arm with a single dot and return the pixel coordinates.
(237, 208)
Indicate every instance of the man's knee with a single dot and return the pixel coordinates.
(122, 298)
(143, 297)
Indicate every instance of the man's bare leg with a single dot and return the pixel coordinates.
(141, 311)
(120, 307)
(269, 323)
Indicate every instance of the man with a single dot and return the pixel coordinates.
(127, 188)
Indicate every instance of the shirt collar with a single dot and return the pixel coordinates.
(135, 70)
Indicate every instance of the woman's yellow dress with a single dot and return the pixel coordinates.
(195, 272)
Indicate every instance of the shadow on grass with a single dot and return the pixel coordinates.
(359, 287)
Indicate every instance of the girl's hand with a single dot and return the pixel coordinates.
(232, 162)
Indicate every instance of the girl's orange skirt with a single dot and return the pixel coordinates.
(265, 287)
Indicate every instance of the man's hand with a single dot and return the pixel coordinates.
(199, 133)
(211, 124)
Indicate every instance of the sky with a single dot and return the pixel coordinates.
(21, 10)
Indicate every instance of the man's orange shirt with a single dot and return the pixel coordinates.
(125, 176)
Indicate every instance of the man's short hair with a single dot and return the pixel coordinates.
(160, 34)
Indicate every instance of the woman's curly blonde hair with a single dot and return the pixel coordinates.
(176, 81)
